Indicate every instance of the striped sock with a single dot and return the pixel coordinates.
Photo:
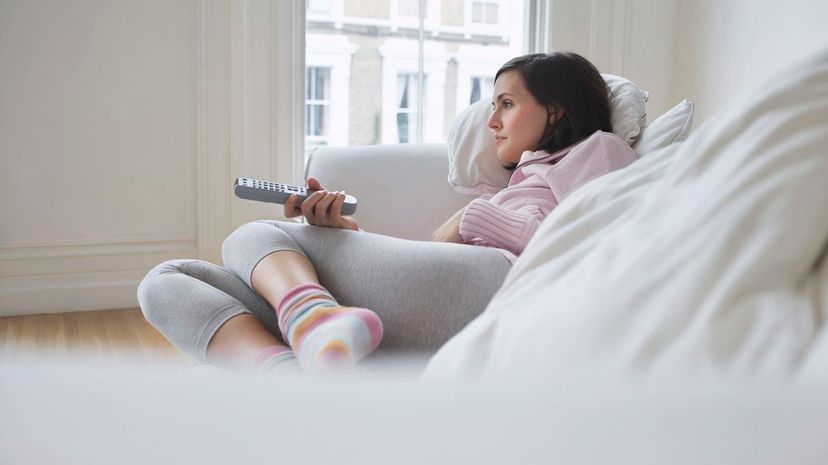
(276, 359)
(325, 335)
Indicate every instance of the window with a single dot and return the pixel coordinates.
(374, 87)
(484, 12)
(317, 105)
(492, 18)
(481, 86)
(327, 89)
(407, 111)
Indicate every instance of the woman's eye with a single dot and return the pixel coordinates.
(493, 106)
(507, 104)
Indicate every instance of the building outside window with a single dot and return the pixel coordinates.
(370, 93)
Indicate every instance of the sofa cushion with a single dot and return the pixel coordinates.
(671, 127)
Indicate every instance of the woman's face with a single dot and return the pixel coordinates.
(518, 120)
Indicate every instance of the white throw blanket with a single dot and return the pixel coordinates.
(706, 257)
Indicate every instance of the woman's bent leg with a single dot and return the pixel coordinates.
(239, 342)
(279, 272)
(424, 292)
(324, 335)
(202, 309)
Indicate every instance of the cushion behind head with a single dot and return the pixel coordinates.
(473, 164)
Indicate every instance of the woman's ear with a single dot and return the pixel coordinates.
(554, 114)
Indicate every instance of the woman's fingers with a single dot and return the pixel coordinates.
(321, 210)
(314, 184)
(336, 207)
(290, 207)
(308, 206)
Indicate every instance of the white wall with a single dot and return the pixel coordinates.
(630, 38)
(726, 47)
(97, 165)
(122, 127)
(704, 50)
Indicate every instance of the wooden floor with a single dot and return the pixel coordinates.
(107, 335)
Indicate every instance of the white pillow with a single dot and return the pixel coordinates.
(473, 164)
(673, 126)
(628, 110)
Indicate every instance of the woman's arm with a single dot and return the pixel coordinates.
(489, 224)
(450, 230)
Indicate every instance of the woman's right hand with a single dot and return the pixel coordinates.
(321, 208)
(450, 230)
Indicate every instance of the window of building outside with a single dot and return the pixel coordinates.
(363, 74)
(484, 11)
(407, 113)
(480, 86)
(317, 103)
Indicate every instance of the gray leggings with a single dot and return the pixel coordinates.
(424, 292)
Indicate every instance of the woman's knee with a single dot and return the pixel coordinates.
(242, 237)
(251, 242)
(157, 290)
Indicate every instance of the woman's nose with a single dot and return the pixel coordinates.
(494, 120)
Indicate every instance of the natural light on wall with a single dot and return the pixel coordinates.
(367, 83)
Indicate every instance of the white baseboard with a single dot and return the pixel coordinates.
(80, 278)
(106, 291)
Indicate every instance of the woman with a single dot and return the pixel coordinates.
(321, 297)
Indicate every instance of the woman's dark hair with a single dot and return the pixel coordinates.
(569, 82)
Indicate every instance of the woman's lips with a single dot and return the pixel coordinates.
(499, 139)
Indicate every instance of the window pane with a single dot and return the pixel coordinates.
(481, 86)
(317, 83)
(402, 89)
(491, 14)
(408, 99)
(374, 46)
(402, 127)
(475, 92)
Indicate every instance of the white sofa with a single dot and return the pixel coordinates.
(402, 189)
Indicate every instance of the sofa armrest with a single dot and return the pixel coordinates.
(402, 189)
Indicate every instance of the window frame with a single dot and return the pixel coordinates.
(433, 126)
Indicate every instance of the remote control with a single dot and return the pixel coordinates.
(273, 192)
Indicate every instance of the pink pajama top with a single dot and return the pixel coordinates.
(508, 219)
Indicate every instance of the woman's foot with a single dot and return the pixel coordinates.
(325, 336)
